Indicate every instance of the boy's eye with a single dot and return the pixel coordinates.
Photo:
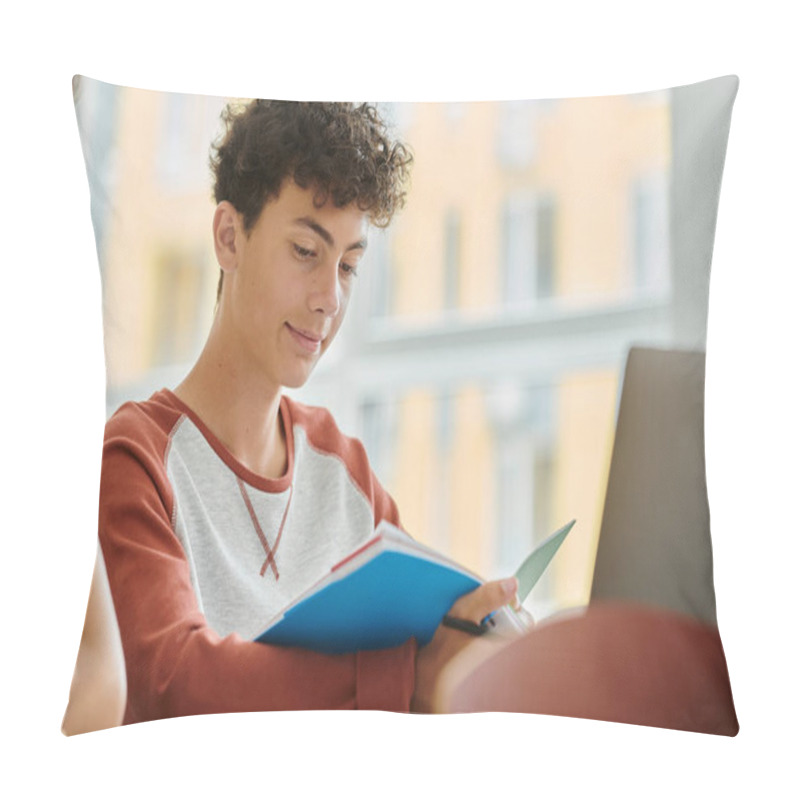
(303, 252)
(349, 269)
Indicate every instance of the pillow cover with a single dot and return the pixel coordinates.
(482, 357)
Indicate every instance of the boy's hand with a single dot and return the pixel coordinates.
(446, 642)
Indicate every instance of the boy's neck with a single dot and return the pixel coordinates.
(240, 411)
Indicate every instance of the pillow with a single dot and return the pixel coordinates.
(481, 361)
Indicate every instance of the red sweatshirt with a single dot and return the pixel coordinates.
(201, 552)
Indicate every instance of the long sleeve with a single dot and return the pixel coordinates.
(175, 663)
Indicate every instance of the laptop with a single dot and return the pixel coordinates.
(655, 540)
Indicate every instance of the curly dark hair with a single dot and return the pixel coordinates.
(341, 150)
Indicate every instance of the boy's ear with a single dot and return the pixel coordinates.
(228, 230)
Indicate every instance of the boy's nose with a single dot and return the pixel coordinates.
(326, 295)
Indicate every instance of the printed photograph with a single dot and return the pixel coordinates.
(404, 407)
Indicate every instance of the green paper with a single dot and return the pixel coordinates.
(536, 563)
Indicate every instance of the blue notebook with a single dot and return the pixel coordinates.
(390, 589)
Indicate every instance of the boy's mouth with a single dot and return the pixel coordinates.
(308, 340)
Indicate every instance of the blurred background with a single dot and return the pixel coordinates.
(481, 358)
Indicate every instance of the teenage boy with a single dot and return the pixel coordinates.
(222, 500)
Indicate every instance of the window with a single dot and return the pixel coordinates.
(650, 221)
(522, 421)
(379, 271)
(516, 142)
(452, 258)
(528, 231)
(443, 497)
(378, 431)
(545, 246)
(172, 157)
(188, 123)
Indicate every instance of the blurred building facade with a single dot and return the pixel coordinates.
(481, 357)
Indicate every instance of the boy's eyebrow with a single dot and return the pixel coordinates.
(325, 235)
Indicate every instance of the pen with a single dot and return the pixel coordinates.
(467, 626)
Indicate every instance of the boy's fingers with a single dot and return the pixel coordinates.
(486, 598)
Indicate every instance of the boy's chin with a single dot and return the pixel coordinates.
(299, 380)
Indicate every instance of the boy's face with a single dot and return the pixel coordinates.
(287, 291)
